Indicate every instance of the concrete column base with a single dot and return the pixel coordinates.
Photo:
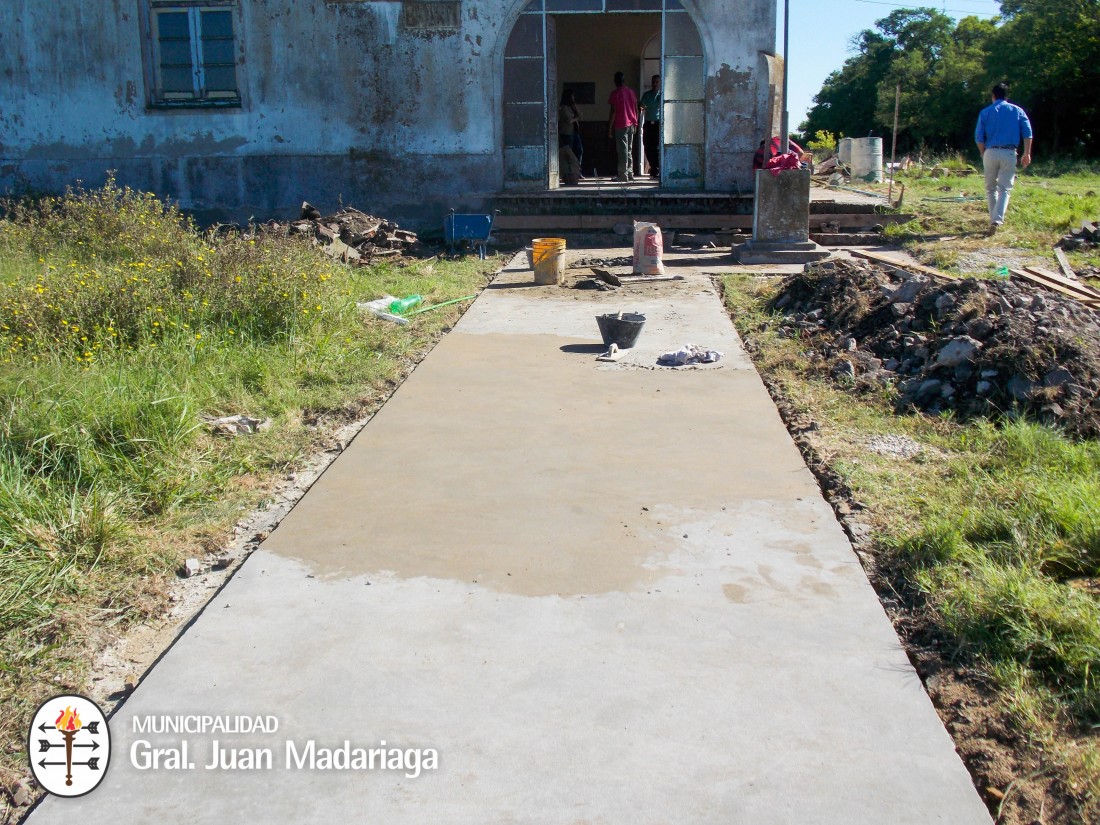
(781, 252)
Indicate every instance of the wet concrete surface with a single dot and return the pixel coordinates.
(601, 593)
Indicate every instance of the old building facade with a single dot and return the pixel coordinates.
(241, 108)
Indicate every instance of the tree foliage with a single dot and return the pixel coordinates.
(1051, 51)
(942, 70)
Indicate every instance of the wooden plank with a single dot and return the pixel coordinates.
(1043, 278)
(1084, 289)
(536, 222)
(883, 259)
(861, 220)
(564, 222)
(1063, 263)
(847, 238)
(1041, 281)
(597, 222)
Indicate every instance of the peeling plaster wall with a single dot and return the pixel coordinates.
(735, 37)
(339, 101)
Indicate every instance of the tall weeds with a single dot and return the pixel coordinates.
(97, 272)
(121, 325)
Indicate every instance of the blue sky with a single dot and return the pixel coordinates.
(821, 33)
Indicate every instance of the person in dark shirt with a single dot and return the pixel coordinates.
(650, 107)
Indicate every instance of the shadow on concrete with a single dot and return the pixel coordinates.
(584, 349)
(719, 258)
(524, 284)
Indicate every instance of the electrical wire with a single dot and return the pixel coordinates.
(957, 11)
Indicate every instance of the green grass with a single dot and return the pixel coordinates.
(994, 530)
(1047, 202)
(120, 326)
(1013, 523)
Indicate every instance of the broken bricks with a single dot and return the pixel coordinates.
(349, 235)
(1086, 236)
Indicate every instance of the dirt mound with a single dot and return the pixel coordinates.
(975, 347)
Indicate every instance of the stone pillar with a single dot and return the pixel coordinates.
(781, 221)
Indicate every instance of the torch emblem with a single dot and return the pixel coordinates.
(73, 727)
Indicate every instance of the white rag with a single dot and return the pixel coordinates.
(689, 354)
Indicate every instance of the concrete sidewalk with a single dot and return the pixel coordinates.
(603, 593)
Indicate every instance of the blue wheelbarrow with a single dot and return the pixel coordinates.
(468, 231)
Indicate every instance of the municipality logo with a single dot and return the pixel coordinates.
(69, 745)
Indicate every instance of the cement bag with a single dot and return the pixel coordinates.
(569, 165)
(648, 248)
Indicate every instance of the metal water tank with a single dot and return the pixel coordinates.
(867, 159)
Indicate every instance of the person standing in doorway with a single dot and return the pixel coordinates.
(622, 123)
(569, 123)
(1001, 127)
(650, 108)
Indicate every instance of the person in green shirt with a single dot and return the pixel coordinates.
(650, 107)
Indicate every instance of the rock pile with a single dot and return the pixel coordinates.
(349, 235)
(1087, 236)
(975, 347)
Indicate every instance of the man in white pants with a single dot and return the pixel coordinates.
(1001, 127)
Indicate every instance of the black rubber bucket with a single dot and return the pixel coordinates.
(622, 328)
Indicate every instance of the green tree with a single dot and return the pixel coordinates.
(905, 51)
(846, 103)
(1049, 53)
(942, 77)
(961, 80)
(919, 38)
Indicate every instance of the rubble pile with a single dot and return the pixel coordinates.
(350, 235)
(1087, 236)
(975, 347)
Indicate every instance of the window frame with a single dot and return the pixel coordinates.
(200, 96)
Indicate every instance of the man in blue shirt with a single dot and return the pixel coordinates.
(1001, 127)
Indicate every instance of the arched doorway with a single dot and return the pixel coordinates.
(535, 68)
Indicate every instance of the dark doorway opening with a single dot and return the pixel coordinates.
(590, 49)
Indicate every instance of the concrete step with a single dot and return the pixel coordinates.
(847, 238)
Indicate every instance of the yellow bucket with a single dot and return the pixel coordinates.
(548, 256)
